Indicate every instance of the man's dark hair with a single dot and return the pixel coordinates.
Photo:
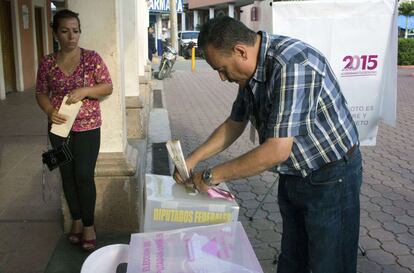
(224, 33)
(64, 14)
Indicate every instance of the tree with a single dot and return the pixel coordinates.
(406, 9)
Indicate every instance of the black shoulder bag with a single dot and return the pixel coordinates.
(58, 156)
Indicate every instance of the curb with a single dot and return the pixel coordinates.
(406, 66)
(159, 132)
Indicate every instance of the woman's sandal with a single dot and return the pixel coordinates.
(75, 238)
(88, 245)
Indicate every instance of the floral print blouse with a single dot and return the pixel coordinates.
(91, 71)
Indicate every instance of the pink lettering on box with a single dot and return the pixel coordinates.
(146, 261)
(159, 244)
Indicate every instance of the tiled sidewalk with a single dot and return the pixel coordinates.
(198, 102)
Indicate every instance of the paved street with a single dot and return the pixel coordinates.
(198, 102)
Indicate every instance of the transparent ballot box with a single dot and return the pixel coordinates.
(222, 248)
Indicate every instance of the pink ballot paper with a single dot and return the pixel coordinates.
(222, 248)
(70, 111)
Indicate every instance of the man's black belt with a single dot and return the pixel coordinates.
(348, 154)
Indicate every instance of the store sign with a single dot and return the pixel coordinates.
(359, 38)
(163, 6)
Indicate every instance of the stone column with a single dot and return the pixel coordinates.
(158, 27)
(144, 65)
(173, 23)
(129, 44)
(183, 28)
(142, 30)
(2, 83)
(211, 13)
(116, 206)
(195, 19)
(231, 10)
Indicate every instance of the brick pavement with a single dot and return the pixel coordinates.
(29, 226)
(198, 102)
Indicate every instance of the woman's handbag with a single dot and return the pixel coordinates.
(58, 156)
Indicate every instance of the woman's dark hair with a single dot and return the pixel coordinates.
(224, 33)
(64, 14)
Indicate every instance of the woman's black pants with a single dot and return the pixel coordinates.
(78, 175)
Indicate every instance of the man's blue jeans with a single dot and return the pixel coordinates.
(320, 215)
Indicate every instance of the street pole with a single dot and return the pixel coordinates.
(173, 23)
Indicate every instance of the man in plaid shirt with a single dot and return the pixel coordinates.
(289, 93)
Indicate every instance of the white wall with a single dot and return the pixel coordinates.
(101, 32)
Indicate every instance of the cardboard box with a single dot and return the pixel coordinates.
(169, 206)
(222, 248)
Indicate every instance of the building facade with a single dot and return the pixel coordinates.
(25, 37)
(202, 10)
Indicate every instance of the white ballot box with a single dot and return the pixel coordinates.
(169, 206)
(222, 248)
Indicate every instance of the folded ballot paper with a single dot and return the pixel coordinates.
(222, 248)
(177, 156)
(70, 111)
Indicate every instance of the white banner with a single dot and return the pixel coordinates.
(359, 38)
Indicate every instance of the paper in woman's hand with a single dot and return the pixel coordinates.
(70, 111)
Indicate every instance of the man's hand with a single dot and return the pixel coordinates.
(177, 177)
(77, 95)
(197, 180)
(190, 167)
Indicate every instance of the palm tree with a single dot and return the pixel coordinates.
(406, 9)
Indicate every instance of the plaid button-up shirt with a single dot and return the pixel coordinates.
(294, 93)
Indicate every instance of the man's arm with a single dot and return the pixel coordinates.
(269, 154)
(272, 152)
(221, 138)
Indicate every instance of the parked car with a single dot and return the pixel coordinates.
(185, 37)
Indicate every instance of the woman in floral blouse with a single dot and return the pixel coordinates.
(83, 76)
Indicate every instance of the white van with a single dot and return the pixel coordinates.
(185, 37)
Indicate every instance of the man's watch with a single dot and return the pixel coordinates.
(207, 177)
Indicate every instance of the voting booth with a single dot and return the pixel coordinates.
(169, 205)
